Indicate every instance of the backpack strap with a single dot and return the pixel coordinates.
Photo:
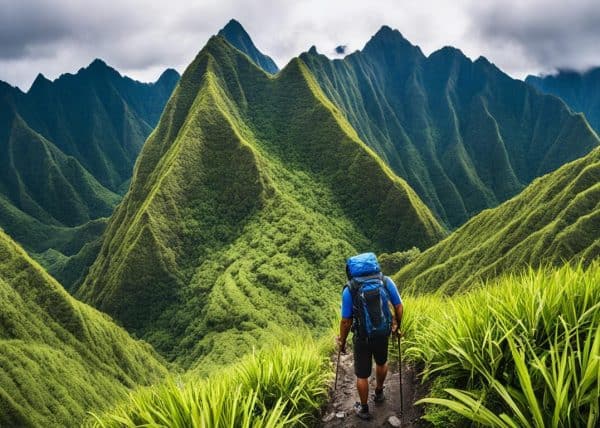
(384, 280)
(357, 322)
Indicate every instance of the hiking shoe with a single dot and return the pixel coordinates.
(379, 397)
(362, 411)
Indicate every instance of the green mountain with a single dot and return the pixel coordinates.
(97, 116)
(235, 34)
(555, 219)
(59, 357)
(463, 134)
(67, 148)
(581, 91)
(48, 201)
(241, 212)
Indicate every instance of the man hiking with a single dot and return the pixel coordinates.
(365, 311)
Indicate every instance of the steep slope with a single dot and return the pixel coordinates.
(97, 116)
(235, 34)
(555, 219)
(48, 201)
(58, 143)
(244, 202)
(59, 358)
(463, 134)
(581, 91)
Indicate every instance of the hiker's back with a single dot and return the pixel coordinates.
(372, 317)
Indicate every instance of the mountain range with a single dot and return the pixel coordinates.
(581, 91)
(211, 215)
(67, 148)
(463, 134)
(241, 212)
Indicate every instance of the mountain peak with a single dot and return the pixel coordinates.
(389, 34)
(169, 75)
(98, 63)
(39, 82)
(234, 26)
(387, 38)
(235, 34)
(100, 68)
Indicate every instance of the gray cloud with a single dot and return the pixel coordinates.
(143, 37)
(551, 35)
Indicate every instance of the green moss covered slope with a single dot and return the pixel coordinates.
(244, 202)
(463, 134)
(59, 358)
(556, 219)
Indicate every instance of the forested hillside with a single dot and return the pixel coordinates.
(59, 358)
(555, 220)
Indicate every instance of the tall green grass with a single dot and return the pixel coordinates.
(524, 352)
(279, 387)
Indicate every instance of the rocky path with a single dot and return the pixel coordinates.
(339, 412)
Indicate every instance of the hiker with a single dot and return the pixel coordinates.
(365, 311)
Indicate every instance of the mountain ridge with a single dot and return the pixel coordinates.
(68, 147)
(463, 134)
(555, 220)
(579, 90)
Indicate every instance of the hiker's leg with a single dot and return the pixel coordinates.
(363, 363)
(362, 385)
(380, 374)
(380, 354)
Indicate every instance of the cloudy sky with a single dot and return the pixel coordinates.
(141, 38)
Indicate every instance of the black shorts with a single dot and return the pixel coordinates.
(366, 352)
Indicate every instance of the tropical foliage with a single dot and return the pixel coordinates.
(278, 387)
(523, 351)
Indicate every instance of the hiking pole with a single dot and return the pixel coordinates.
(337, 369)
(400, 375)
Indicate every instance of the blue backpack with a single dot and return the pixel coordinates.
(370, 297)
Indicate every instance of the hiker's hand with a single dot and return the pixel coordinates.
(396, 332)
(341, 344)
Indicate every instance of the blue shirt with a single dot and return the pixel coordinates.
(347, 297)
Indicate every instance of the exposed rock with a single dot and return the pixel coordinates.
(394, 421)
(329, 417)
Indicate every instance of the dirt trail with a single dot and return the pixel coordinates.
(342, 400)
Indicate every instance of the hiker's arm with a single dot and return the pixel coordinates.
(346, 322)
(396, 302)
(399, 309)
(345, 325)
